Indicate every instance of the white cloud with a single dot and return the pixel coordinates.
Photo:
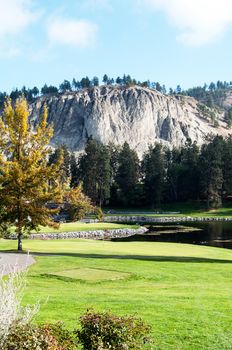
(199, 21)
(77, 33)
(15, 16)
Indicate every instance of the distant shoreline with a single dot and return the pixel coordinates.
(163, 219)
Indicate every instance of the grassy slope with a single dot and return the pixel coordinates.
(184, 291)
(183, 209)
(81, 226)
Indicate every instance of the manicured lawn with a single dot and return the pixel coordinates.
(184, 291)
(180, 209)
(81, 226)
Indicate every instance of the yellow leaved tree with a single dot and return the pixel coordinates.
(27, 181)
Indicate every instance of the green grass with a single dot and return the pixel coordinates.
(184, 291)
(181, 209)
(92, 274)
(81, 226)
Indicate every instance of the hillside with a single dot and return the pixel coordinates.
(138, 115)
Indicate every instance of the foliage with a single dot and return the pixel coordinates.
(62, 152)
(62, 335)
(211, 166)
(153, 167)
(29, 179)
(77, 204)
(95, 171)
(27, 182)
(27, 337)
(43, 337)
(102, 331)
(127, 176)
(115, 175)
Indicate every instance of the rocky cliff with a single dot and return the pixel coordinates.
(140, 116)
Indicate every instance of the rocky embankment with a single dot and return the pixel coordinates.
(131, 219)
(97, 234)
(137, 115)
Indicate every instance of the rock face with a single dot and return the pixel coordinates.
(139, 116)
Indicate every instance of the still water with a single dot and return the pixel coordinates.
(217, 234)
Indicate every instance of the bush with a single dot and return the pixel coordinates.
(46, 337)
(11, 311)
(102, 331)
(64, 337)
(27, 337)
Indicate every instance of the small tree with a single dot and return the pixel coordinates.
(77, 204)
(27, 182)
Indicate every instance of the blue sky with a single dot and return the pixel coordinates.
(174, 42)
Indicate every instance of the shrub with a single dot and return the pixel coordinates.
(11, 311)
(64, 337)
(102, 331)
(27, 337)
(45, 337)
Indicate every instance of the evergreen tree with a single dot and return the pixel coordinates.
(114, 155)
(154, 175)
(76, 85)
(119, 81)
(227, 167)
(85, 82)
(127, 175)
(212, 86)
(65, 169)
(211, 165)
(105, 79)
(95, 81)
(188, 185)
(174, 171)
(95, 171)
(65, 86)
(158, 87)
(49, 90)
(73, 170)
(15, 94)
(178, 89)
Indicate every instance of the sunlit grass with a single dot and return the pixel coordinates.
(81, 226)
(183, 290)
(179, 209)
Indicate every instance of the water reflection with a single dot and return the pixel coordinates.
(218, 234)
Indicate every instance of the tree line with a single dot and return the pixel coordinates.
(207, 94)
(114, 176)
(75, 85)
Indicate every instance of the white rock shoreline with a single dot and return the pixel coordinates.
(96, 234)
(169, 219)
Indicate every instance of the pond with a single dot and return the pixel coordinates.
(217, 234)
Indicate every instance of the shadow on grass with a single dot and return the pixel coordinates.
(155, 258)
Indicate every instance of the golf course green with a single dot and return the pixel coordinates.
(183, 291)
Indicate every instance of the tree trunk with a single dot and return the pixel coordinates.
(20, 246)
(20, 235)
